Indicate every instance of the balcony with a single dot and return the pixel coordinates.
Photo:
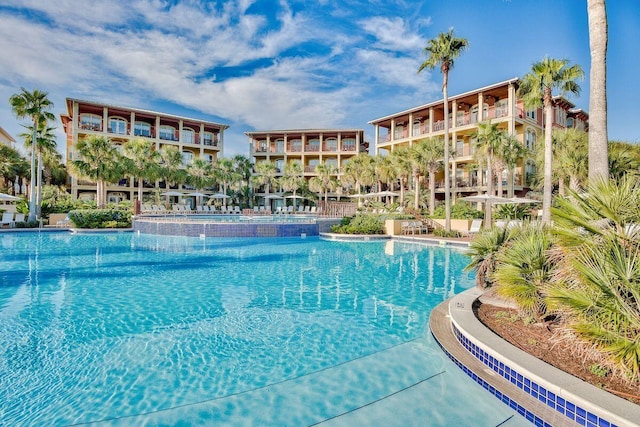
(309, 169)
(311, 148)
(96, 127)
(349, 148)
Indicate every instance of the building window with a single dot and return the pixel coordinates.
(142, 129)
(296, 145)
(188, 136)
(561, 116)
(187, 157)
(208, 157)
(460, 147)
(280, 165)
(331, 144)
(208, 138)
(313, 144)
(532, 114)
(280, 145)
(91, 122)
(349, 144)
(118, 125)
(530, 139)
(570, 122)
(167, 133)
(416, 127)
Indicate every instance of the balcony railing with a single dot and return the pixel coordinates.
(311, 148)
(309, 169)
(350, 147)
(96, 127)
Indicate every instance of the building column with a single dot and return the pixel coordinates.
(480, 107)
(376, 138)
(132, 123)
(511, 106)
(105, 119)
(430, 124)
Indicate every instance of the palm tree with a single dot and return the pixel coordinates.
(172, 169)
(426, 157)
(242, 184)
(598, 138)
(45, 143)
(598, 288)
(292, 179)
(488, 139)
(536, 90)
(511, 150)
(100, 162)
(570, 158)
(36, 106)
(359, 170)
(225, 174)
(483, 251)
(624, 158)
(325, 180)
(200, 173)
(12, 164)
(442, 51)
(143, 162)
(400, 161)
(265, 175)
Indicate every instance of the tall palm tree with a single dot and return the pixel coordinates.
(488, 139)
(172, 169)
(511, 150)
(325, 179)
(443, 51)
(200, 173)
(265, 175)
(100, 162)
(225, 174)
(570, 158)
(242, 184)
(598, 138)
(426, 157)
(359, 170)
(143, 162)
(400, 161)
(536, 90)
(292, 179)
(12, 164)
(45, 144)
(34, 105)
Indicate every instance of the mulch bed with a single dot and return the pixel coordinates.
(542, 342)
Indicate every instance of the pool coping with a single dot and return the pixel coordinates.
(481, 353)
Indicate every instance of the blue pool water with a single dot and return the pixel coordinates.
(127, 329)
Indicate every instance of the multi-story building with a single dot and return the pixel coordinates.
(308, 147)
(193, 137)
(500, 104)
(6, 139)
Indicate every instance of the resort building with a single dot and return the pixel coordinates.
(6, 139)
(308, 147)
(500, 104)
(194, 138)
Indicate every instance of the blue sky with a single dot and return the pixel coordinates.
(269, 64)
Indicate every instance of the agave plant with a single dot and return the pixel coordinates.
(524, 269)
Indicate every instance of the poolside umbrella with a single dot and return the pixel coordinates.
(489, 200)
(4, 196)
(273, 196)
(218, 196)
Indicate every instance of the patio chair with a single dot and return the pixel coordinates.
(19, 218)
(7, 219)
(236, 210)
(313, 209)
(300, 209)
(476, 225)
(199, 209)
(66, 222)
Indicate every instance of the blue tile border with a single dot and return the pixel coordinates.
(559, 404)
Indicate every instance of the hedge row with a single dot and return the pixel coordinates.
(101, 218)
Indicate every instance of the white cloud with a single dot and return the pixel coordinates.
(392, 34)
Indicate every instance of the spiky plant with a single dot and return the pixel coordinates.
(483, 252)
(524, 269)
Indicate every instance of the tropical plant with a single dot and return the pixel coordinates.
(598, 286)
(442, 51)
(536, 90)
(12, 164)
(510, 151)
(325, 180)
(200, 173)
(142, 161)
(598, 138)
(292, 179)
(570, 158)
(99, 161)
(172, 169)
(266, 173)
(399, 158)
(524, 269)
(624, 158)
(360, 224)
(426, 157)
(225, 174)
(358, 171)
(34, 105)
(460, 210)
(483, 251)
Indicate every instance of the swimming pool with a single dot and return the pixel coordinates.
(128, 329)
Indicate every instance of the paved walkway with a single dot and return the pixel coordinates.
(458, 310)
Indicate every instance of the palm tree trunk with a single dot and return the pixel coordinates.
(447, 184)
(140, 189)
(598, 138)
(39, 183)
(432, 192)
(510, 183)
(32, 183)
(416, 188)
(500, 186)
(548, 156)
(561, 187)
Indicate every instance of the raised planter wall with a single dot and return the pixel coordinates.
(456, 224)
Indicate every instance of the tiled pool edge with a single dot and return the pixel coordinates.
(564, 394)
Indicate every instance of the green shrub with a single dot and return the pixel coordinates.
(360, 224)
(460, 210)
(101, 218)
(441, 232)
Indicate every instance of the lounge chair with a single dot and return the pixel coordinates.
(236, 210)
(199, 208)
(307, 209)
(66, 222)
(19, 218)
(476, 225)
(313, 209)
(7, 219)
